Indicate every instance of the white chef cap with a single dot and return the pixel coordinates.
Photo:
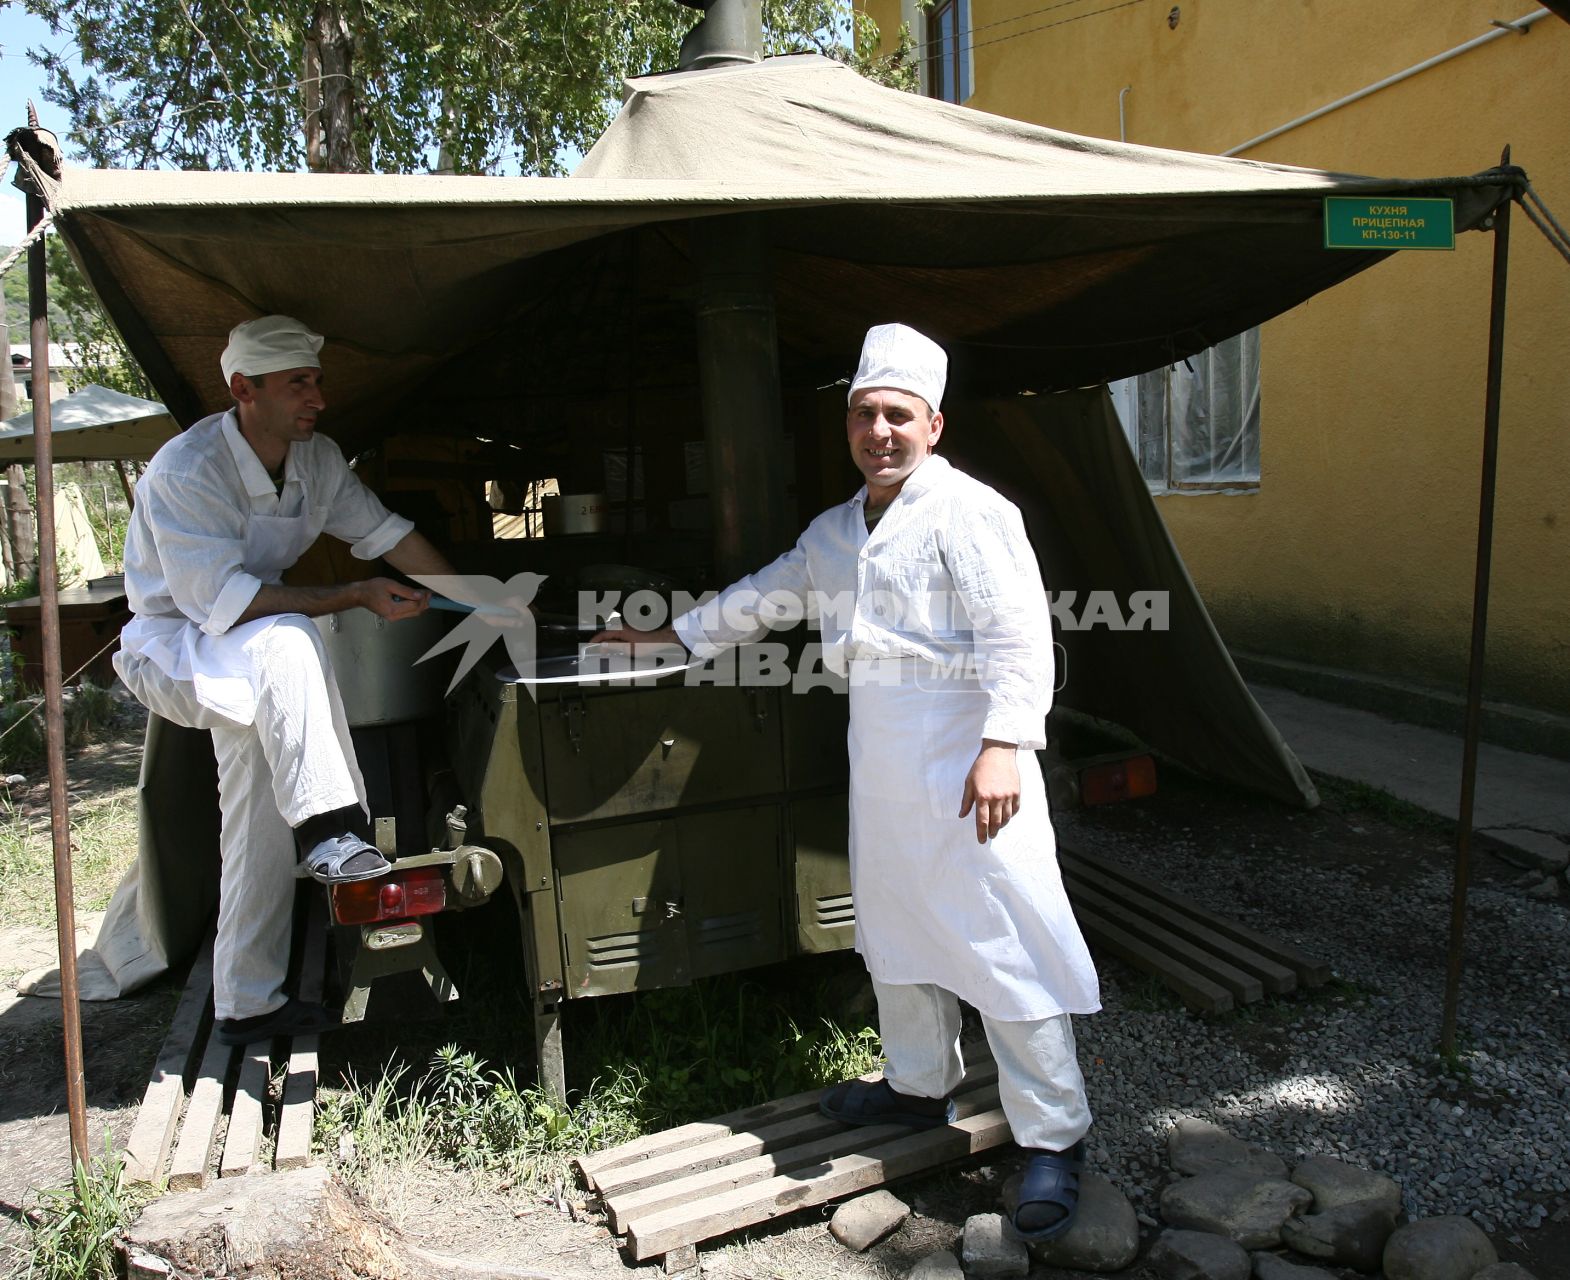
(270, 344)
(895, 355)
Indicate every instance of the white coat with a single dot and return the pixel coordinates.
(208, 530)
(939, 618)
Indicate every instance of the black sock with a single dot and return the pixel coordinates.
(324, 826)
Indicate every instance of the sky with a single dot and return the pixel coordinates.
(19, 81)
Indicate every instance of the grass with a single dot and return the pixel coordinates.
(1146, 993)
(1347, 797)
(103, 828)
(1281, 1010)
(649, 1062)
(103, 845)
(73, 1230)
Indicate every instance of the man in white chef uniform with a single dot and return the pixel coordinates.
(929, 598)
(217, 643)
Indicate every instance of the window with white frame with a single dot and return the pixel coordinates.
(1195, 424)
(947, 48)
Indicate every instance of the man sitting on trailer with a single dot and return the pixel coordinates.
(217, 643)
(930, 599)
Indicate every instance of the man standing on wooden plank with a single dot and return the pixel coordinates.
(929, 599)
(217, 643)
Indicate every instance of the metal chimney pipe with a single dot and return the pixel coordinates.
(730, 31)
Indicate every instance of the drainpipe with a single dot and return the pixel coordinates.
(1519, 27)
(738, 347)
(1122, 116)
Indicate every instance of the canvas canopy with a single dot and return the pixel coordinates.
(1040, 259)
(513, 308)
(91, 425)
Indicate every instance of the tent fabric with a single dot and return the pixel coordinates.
(1040, 259)
(1065, 461)
(91, 425)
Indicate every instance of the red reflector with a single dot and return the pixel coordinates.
(395, 896)
(1118, 780)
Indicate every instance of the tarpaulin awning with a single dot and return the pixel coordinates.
(1041, 259)
(91, 425)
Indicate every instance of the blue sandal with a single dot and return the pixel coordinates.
(858, 1102)
(1048, 1193)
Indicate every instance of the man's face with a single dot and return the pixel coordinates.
(890, 433)
(282, 408)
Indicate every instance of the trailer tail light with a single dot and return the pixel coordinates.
(1118, 780)
(395, 896)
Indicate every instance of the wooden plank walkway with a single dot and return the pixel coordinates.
(675, 1189)
(1212, 963)
(220, 1099)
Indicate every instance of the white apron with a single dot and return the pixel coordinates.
(989, 922)
(221, 669)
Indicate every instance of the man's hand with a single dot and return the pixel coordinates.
(663, 637)
(992, 788)
(390, 599)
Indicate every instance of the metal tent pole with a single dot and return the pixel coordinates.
(1474, 677)
(54, 702)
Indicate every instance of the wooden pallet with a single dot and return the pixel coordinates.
(669, 1191)
(197, 1083)
(1213, 964)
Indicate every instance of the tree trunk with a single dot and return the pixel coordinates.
(8, 407)
(330, 111)
(19, 520)
(291, 1225)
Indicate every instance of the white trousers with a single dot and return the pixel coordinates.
(295, 761)
(1039, 1081)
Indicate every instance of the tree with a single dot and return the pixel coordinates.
(380, 85)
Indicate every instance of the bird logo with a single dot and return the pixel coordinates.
(495, 609)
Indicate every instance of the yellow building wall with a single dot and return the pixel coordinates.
(1357, 550)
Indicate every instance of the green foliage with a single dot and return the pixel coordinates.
(97, 352)
(1347, 797)
(90, 714)
(661, 1059)
(469, 1117)
(73, 1231)
(16, 309)
(205, 84)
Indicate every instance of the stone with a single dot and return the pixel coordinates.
(1197, 1146)
(1504, 1271)
(1247, 1210)
(681, 1260)
(1272, 1266)
(1334, 1182)
(1197, 1255)
(1350, 1235)
(941, 1265)
(987, 1250)
(860, 1223)
(1541, 849)
(1448, 1248)
(1103, 1237)
(1547, 891)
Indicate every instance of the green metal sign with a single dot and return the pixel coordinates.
(1389, 222)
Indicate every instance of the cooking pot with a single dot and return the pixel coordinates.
(377, 664)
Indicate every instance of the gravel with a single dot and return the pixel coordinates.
(1351, 1071)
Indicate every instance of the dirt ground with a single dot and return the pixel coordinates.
(446, 1213)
